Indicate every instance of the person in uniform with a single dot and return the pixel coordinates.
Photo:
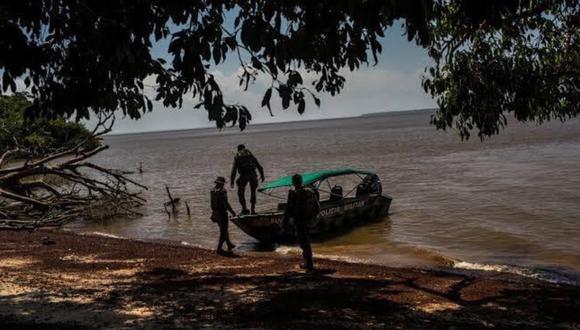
(220, 207)
(245, 164)
(302, 206)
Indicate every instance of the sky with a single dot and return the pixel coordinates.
(393, 84)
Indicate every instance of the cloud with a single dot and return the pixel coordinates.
(368, 90)
(371, 89)
(377, 90)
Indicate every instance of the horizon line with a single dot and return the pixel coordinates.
(274, 123)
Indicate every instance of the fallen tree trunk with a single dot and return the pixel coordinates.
(85, 190)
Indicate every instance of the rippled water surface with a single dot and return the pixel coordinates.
(512, 200)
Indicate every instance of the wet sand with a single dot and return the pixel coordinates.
(76, 281)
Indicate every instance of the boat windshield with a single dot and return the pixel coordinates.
(310, 178)
(330, 184)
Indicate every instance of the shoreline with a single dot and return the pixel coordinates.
(60, 279)
(447, 264)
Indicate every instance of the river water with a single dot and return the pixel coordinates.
(511, 203)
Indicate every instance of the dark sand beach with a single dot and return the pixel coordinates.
(55, 279)
(425, 154)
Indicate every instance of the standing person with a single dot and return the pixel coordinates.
(220, 207)
(245, 164)
(303, 206)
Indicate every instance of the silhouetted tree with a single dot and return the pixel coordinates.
(498, 57)
(78, 56)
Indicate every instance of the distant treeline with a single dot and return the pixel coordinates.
(38, 136)
(398, 112)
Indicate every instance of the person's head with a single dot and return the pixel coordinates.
(220, 181)
(297, 180)
(241, 147)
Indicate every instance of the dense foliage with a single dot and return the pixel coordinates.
(520, 57)
(87, 55)
(37, 136)
(78, 56)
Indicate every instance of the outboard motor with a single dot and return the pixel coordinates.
(375, 185)
(371, 184)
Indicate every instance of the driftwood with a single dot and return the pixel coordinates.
(172, 201)
(187, 209)
(30, 198)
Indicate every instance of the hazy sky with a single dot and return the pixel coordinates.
(393, 84)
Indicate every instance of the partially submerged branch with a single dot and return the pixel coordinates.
(83, 189)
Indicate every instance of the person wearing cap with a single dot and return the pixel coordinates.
(245, 164)
(220, 207)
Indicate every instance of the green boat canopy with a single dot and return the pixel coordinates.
(311, 177)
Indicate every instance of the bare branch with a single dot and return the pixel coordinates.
(42, 185)
(24, 199)
(38, 203)
(104, 125)
(5, 155)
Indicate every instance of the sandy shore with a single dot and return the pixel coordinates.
(79, 281)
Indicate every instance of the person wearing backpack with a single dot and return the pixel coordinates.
(302, 206)
(219, 213)
(246, 164)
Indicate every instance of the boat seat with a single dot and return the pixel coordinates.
(336, 194)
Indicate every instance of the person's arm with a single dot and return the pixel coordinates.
(259, 167)
(228, 206)
(317, 200)
(234, 170)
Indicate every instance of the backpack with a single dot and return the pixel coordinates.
(246, 161)
(307, 203)
(215, 199)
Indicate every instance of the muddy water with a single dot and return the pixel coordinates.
(510, 203)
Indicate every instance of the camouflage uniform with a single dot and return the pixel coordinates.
(220, 207)
(303, 207)
(245, 164)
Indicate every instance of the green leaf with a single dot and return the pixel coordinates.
(316, 101)
(301, 106)
(267, 96)
(217, 53)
